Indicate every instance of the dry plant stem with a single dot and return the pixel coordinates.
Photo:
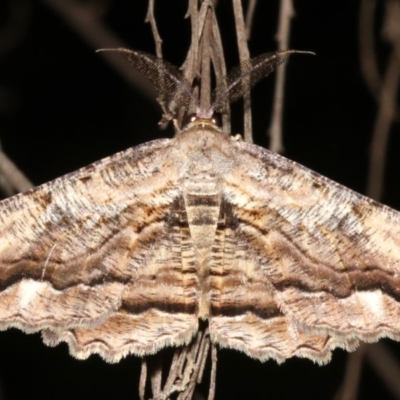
(151, 20)
(192, 65)
(6, 186)
(218, 60)
(204, 349)
(167, 115)
(187, 382)
(275, 130)
(368, 59)
(156, 377)
(97, 35)
(174, 370)
(192, 367)
(143, 379)
(213, 379)
(13, 175)
(385, 365)
(189, 67)
(249, 17)
(382, 125)
(349, 387)
(243, 56)
(186, 370)
(205, 93)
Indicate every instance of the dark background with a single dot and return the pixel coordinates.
(62, 107)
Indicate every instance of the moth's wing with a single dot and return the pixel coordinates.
(315, 265)
(94, 257)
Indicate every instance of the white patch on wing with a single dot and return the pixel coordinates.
(373, 302)
(28, 290)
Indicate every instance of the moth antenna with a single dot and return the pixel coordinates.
(168, 80)
(256, 69)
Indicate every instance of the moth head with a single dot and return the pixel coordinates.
(196, 119)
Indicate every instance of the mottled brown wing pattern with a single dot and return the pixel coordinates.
(102, 258)
(314, 265)
(124, 256)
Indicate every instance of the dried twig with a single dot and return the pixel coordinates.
(10, 172)
(211, 393)
(244, 55)
(205, 93)
(191, 67)
(382, 125)
(249, 17)
(368, 59)
(349, 387)
(143, 379)
(218, 60)
(385, 365)
(275, 130)
(151, 20)
(156, 377)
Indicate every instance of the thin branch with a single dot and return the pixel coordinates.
(152, 21)
(351, 380)
(385, 365)
(213, 379)
(218, 60)
(97, 35)
(192, 65)
(203, 353)
(368, 59)
(143, 379)
(189, 67)
(243, 56)
(7, 188)
(13, 175)
(275, 130)
(249, 17)
(174, 370)
(156, 376)
(382, 126)
(205, 93)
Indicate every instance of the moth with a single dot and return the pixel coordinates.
(127, 255)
